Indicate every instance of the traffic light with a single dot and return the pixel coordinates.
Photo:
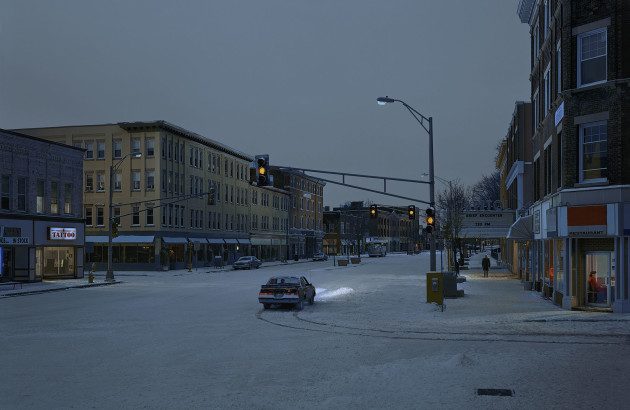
(262, 169)
(411, 210)
(114, 229)
(211, 196)
(373, 211)
(430, 219)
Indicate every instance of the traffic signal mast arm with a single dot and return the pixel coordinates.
(344, 174)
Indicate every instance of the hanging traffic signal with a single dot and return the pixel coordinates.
(411, 210)
(262, 169)
(114, 229)
(373, 211)
(211, 196)
(430, 219)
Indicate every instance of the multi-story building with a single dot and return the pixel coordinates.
(515, 164)
(345, 229)
(269, 227)
(160, 199)
(41, 223)
(306, 210)
(580, 75)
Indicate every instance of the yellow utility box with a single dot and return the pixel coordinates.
(435, 288)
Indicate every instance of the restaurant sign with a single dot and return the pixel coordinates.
(587, 220)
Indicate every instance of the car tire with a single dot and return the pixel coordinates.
(299, 305)
(312, 299)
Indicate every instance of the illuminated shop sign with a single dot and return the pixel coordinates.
(62, 234)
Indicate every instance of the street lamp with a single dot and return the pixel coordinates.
(422, 120)
(109, 277)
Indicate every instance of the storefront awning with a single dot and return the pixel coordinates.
(260, 241)
(215, 241)
(231, 241)
(97, 239)
(244, 241)
(134, 239)
(522, 229)
(121, 239)
(167, 239)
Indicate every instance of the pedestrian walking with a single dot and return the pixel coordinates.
(485, 264)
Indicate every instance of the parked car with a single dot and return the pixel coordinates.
(320, 256)
(286, 290)
(247, 262)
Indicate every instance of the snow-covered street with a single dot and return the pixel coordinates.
(165, 340)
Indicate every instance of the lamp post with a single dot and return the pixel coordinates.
(429, 129)
(109, 277)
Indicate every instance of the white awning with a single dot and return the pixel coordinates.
(121, 239)
(97, 239)
(522, 229)
(134, 239)
(167, 239)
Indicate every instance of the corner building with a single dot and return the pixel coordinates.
(580, 217)
(159, 199)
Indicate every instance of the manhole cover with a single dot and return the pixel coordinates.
(495, 392)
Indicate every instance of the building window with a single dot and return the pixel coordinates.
(135, 180)
(67, 199)
(54, 198)
(149, 214)
(536, 42)
(163, 147)
(170, 150)
(163, 180)
(150, 145)
(117, 148)
(100, 149)
(6, 192)
(135, 145)
(88, 216)
(547, 77)
(117, 181)
(89, 182)
(592, 57)
(89, 150)
(21, 194)
(535, 109)
(100, 181)
(177, 216)
(175, 156)
(40, 197)
(164, 215)
(593, 152)
(150, 180)
(135, 216)
(559, 68)
(100, 216)
(117, 215)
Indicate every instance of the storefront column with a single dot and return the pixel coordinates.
(569, 300)
(622, 264)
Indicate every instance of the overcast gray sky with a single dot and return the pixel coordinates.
(295, 79)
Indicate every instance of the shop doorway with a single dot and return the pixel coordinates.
(600, 279)
(6, 264)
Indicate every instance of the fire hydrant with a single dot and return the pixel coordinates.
(91, 276)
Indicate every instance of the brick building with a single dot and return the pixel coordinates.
(41, 222)
(580, 75)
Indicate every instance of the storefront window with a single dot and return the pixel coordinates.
(57, 261)
(548, 262)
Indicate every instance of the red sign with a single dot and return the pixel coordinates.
(62, 234)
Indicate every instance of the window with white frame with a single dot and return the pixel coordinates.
(89, 150)
(559, 67)
(89, 219)
(100, 149)
(117, 148)
(117, 181)
(135, 145)
(547, 79)
(150, 146)
(592, 57)
(135, 180)
(593, 152)
(89, 182)
(149, 214)
(150, 180)
(135, 216)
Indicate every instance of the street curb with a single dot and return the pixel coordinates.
(35, 292)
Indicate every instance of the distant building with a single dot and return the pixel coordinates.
(41, 222)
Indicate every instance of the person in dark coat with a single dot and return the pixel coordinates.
(485, 264)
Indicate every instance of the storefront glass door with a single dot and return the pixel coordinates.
(600, 279)
(6, 263)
